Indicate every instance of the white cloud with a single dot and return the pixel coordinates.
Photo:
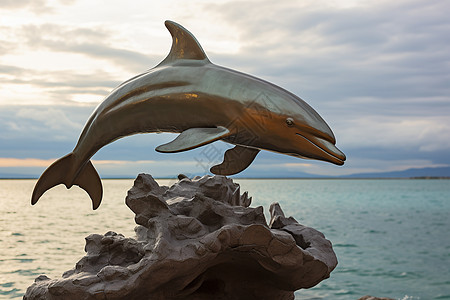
(53, 119)
(395, 132)
(23, 86)
(36, 6)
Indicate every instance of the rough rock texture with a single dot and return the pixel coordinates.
(197, 239)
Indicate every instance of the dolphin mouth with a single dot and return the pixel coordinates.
(327, 150)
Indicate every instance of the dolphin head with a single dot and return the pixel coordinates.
(288, 125)
(308, 142)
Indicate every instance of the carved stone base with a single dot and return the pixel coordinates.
(197, 239)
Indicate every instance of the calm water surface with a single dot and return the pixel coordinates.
(391, 236)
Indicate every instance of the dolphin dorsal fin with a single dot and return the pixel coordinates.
(184, 45)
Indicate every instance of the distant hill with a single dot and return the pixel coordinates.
(410, 173)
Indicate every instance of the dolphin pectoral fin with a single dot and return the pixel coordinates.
(235, 160)
(89, 180)
(193, 138)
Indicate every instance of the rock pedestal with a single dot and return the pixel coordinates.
(198, 239)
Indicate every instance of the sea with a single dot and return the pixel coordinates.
(391, 237)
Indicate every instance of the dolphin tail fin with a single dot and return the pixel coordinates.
(88, 179)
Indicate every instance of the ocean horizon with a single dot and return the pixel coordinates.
(390, 236)
(411, 173)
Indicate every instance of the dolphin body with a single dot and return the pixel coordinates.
(187, 94)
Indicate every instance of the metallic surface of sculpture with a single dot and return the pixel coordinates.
(187, 94)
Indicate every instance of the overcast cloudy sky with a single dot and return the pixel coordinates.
(377, 71)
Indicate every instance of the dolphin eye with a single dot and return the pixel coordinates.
(290, 122)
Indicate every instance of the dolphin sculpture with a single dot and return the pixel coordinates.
(188, 94)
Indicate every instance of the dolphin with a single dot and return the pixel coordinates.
(188, 94)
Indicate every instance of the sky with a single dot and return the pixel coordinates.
(377, 71)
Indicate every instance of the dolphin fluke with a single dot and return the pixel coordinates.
(59, 173)
(89, 180)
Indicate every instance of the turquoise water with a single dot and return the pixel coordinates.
(391, 237)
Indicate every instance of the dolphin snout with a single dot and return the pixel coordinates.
(331, 149)
(326, 150)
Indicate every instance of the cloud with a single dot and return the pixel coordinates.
(51, 118)
(106, 168)
(28, 128)
(92, 42)
(424, 134)
(36, 6)
(82, 63)
(386, 50)
(35, 162)
(24, 162)
(58, 87)
(377, 71)
(5, 46)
